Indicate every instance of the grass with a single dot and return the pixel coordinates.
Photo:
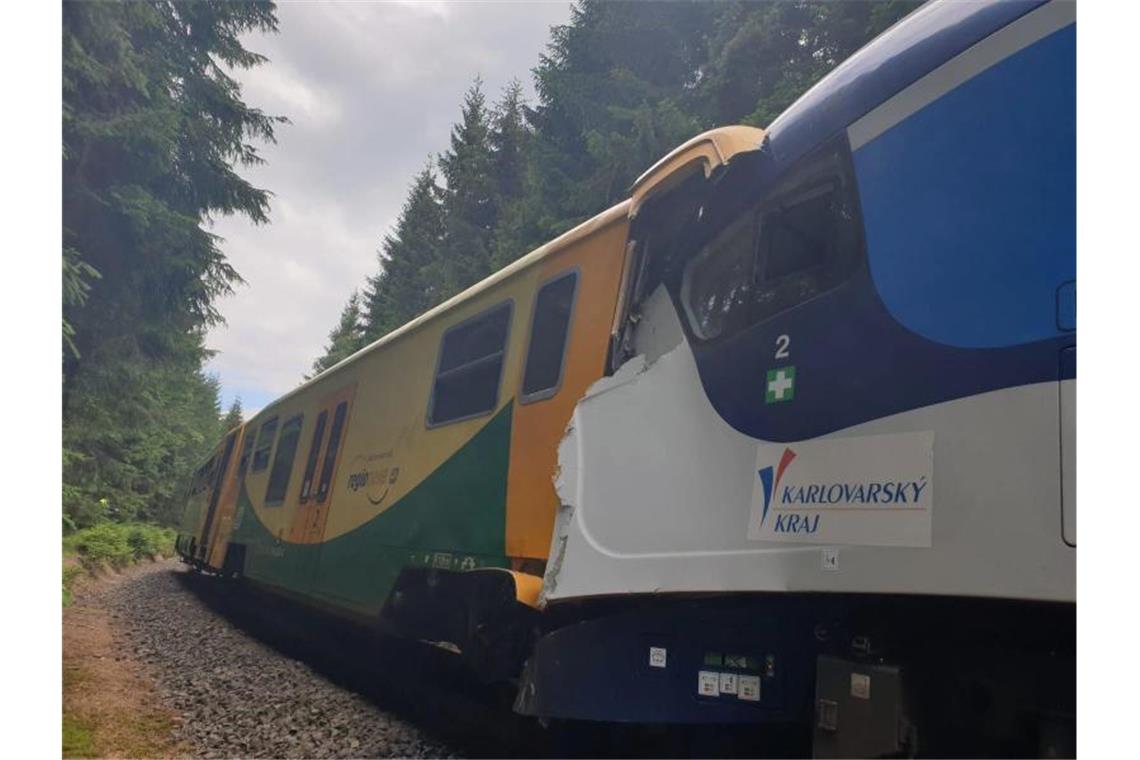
(70, 574)
(77, 737)
(113, 545)
(99, 720)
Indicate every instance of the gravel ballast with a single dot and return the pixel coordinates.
(239, 697)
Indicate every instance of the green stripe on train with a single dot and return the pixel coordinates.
(455, 518)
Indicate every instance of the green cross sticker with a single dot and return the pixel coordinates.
(781, 385)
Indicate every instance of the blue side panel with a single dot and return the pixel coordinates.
(1067, 306)
(969, 205)
(908, 51)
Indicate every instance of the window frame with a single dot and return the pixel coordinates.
(782, 193)
(546, 393)
(310, 474)
(245, 455)
(328, 467)
(507, 304)
(755, 213)
(253, 468)
(300, 420)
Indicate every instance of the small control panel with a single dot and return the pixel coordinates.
(734, 676)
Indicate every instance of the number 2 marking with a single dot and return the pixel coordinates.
(782, 343)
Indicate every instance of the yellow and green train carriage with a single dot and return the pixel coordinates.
(413, 483)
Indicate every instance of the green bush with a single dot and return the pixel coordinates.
(119, 544)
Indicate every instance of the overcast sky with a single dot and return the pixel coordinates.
(372, 90)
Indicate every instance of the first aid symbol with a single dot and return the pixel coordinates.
(781, 385)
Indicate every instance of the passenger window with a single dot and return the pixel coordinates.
(470, 366)
(801, 240)
(330, 455)
(546, 353)
(246, 450)
(283, 461)
(314, 454)
(264, 445)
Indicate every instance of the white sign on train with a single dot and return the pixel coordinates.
(875, 490)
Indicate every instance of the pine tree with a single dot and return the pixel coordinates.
(763, 56)
(233, 417)
(610, 89)
(407, 284)
(345, 339)
(470, 199)
(511, 142)
(153, 129)
(509, 138)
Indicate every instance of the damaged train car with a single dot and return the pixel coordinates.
(787, 437)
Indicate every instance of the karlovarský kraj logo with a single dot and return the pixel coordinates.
(872, 490)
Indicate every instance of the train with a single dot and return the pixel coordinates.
(680, 464)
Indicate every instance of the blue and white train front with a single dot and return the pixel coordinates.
(830, 478)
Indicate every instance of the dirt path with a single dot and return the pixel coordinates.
(110, 703)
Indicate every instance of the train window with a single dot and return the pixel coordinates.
(264, 445)
(470, 367)
(330, 455)
(208, 473)
(246, 450)
(801, 240)
(553, 307)
(314, 454)
(717, 286)
(803, 250)
(283, 461)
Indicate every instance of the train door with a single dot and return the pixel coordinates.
(565, 352)
(321, 460)
(215, 494)
(227, 504)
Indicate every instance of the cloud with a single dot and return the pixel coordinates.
(372, 90)
(278, 90)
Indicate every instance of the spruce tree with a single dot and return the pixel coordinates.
(511, 142)
(154, 130)
(345, 339)
(610, 89)
(233, 417)
(470, 198)
(763, 56)
(407, 284)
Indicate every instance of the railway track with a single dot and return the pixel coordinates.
(422, 684)
(255, 675)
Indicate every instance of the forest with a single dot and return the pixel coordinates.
(155, 134)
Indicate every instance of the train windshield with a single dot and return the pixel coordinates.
(798, 241)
